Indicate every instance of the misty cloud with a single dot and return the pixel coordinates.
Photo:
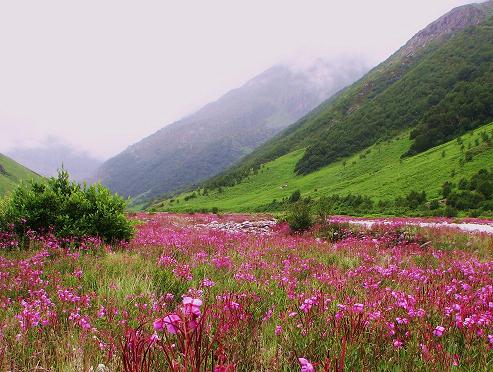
(51, 154)
(102, 75)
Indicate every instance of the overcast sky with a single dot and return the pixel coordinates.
(101, 75)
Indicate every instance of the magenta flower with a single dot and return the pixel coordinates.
(278, 330)
(158, 324)
(102, 312)
(306, 366)
(192, 306)
(234, 305)
(170, 322)
(438, 331)
(358, 308)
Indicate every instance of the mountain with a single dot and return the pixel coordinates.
(12, 173)
(432, 90)
(48, 157)
(205, 143)
(425, 80)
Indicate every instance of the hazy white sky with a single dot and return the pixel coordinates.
(102, 74)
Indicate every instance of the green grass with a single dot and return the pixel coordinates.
(15, 173)
(378, 172)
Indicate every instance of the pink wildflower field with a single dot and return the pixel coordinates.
(241, 293)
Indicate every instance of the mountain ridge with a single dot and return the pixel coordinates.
(202, 144)
(432, 90)
(325, 132)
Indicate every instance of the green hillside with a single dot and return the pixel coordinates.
(12, 173)
(438, 85)
(378, 172)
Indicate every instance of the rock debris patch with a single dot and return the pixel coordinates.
(263, 227)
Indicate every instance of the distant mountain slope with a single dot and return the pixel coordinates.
(47, 158)
(203, 144)
(439, 83)
(12, 173)
(377, 172)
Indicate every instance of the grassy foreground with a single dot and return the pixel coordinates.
(191, 294)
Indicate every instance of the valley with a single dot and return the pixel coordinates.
(268, 202)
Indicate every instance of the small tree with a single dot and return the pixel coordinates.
(71, 209)
(295, 196)
(323, 209)
(299, 216)
(446, 189)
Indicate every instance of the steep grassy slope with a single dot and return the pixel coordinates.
(438, 83)
(12, 173)
(378, 172)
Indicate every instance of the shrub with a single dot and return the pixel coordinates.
(415, 199)
(295, 196)
(72, 210)
(446, 189)
(434, 205)
(323, 208)
(450, 211)
(333, 232)
(299, 216)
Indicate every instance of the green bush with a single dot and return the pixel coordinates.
(72, 210)
(333, 232)
(450, 211)
(4, 203)
(299, 216)
(295, 196)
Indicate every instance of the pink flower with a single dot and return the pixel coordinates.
(456, 360)
(170, 322)
(207, 283)
(78, 273)
(278, 330)
(192, 306)
(306, 366)
(358, 308)
(438, 331)
(398, 344)
(402, 320)
(154, 338)
(102, 312)
(158, 324)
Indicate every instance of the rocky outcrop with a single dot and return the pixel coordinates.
(455, 20)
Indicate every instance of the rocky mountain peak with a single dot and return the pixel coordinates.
(457, 19)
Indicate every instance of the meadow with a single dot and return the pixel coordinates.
(378, 172)
(242, 293)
